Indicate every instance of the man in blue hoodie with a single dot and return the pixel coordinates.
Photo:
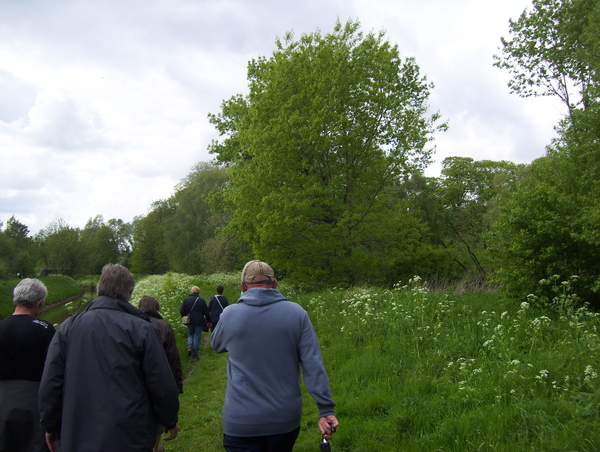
(269, 339)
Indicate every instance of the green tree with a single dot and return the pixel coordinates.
(191, 224)
(469, 191)
(102, 243)
(149, 255)
(552, 52)
(62, 249)
(18, 255)
(330, 124)
(548, 229)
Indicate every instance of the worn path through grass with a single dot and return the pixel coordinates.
(201, 403)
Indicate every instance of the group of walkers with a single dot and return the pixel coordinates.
(108, 379)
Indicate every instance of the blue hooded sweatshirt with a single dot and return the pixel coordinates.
(269, 339)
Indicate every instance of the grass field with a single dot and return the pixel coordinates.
(415, 371)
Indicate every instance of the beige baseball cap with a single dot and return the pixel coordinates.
(257, 268)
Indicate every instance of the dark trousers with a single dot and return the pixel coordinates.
(270, 443)
(20, 428)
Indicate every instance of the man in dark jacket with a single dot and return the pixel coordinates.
(107, 383)
(199, 319)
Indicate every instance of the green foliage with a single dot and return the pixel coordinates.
(192, 223)
(149, 254)
(329, 126)
(17, 253)
(62, 249)
(549, 227)
(470, 192)
(551, 51)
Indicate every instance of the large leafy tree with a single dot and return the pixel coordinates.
(107, 241)
(330, 124)
(552, 50)
(549, 228)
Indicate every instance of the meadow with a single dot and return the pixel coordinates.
(414, 370)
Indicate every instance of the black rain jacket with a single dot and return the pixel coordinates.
(107, 383)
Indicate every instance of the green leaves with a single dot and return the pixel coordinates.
(550, 53)
(329, 124)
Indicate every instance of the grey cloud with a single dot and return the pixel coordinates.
(16, 97)
(62, 123)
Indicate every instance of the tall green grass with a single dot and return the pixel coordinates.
(412, 370)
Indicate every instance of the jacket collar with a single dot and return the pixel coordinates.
(104, 302)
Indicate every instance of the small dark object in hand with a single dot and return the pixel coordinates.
(325, 446)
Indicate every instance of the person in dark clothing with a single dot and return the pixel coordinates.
(199, 319)
(150, 306)
(216, 305)
(24, 342)
(107, 383)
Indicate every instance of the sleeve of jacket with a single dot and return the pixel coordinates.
(217, 337)
(170, 345)
(206, 312)
(183, 309)
(159, 379)
(313, 370)
(50, 394)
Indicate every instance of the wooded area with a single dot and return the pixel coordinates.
(320, 171)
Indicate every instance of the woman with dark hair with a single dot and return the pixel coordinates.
(150, 306)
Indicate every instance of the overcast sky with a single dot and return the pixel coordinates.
(104, 103)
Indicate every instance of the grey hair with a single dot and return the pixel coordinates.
(115, 282)
(28, 292)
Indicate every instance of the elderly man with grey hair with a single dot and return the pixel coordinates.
(107, 383)
(24, 341)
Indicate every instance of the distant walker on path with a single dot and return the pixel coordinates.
(216, 305)
(195, 307)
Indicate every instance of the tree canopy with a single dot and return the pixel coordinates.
(330, 124)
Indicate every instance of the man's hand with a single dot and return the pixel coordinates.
(324, 426)
(172, 433)
(51, 442)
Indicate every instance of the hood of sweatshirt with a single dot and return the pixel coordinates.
(261, 297)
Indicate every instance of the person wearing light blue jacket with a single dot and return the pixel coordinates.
(269, 339)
